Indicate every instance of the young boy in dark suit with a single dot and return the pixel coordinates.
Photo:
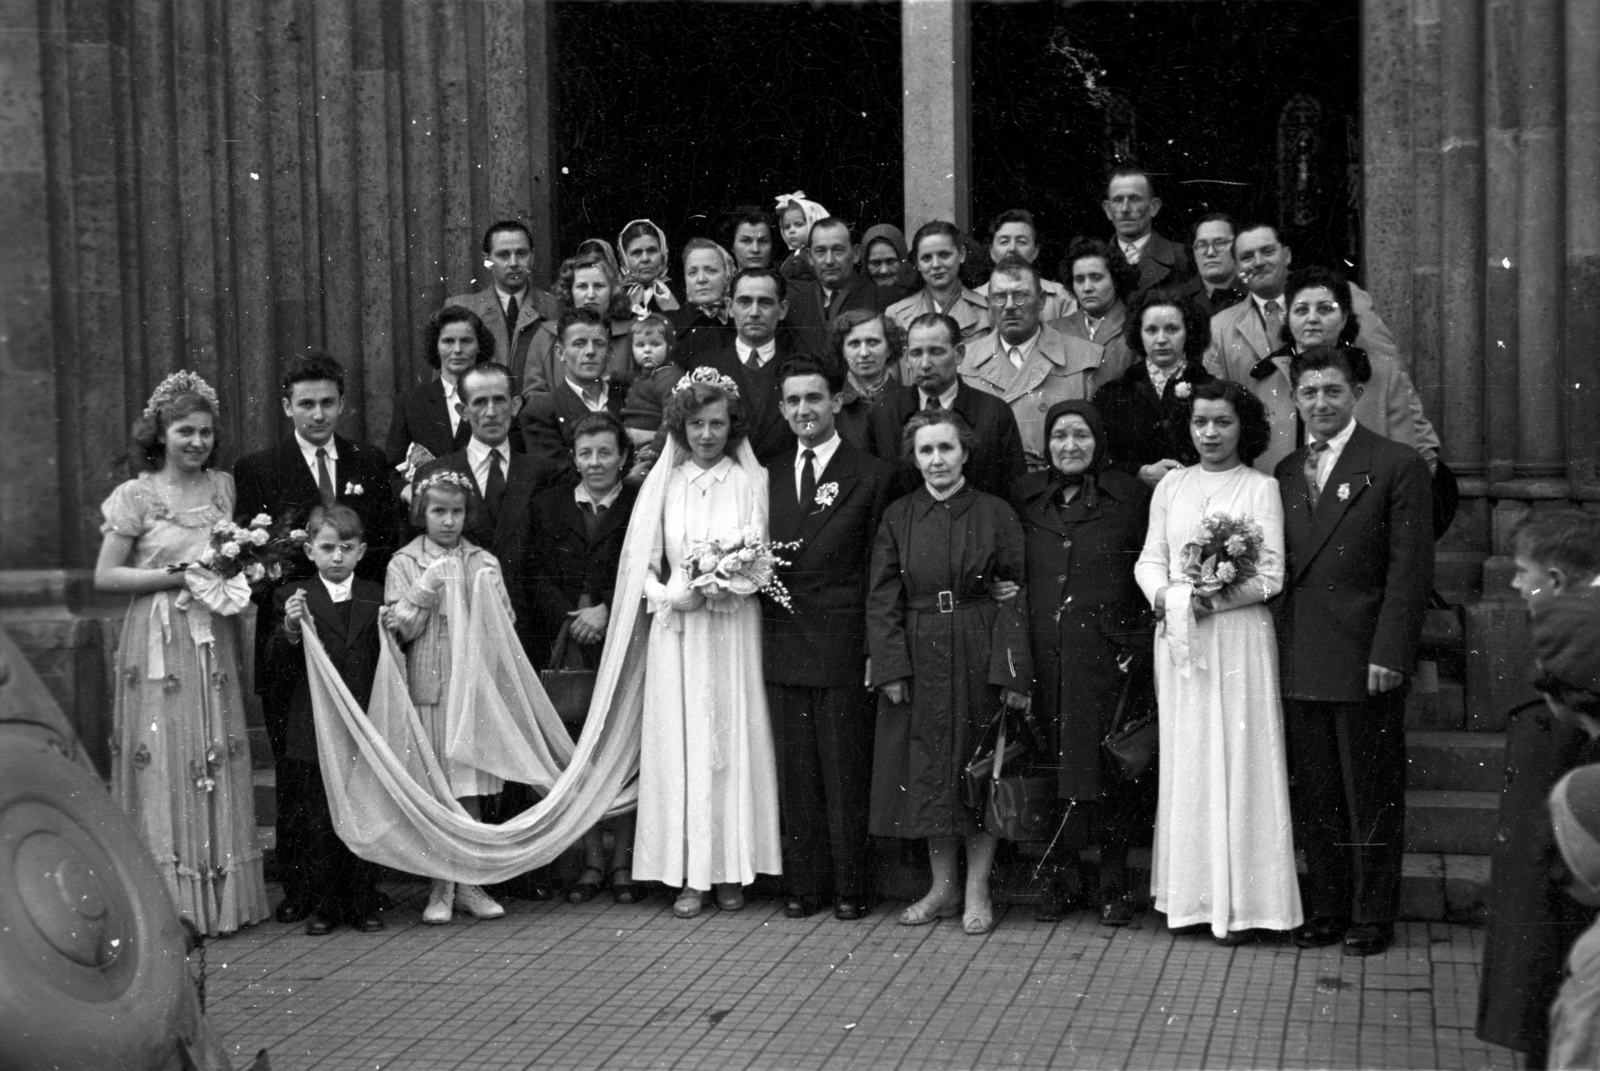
(344, 609)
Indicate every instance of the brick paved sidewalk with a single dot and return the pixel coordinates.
(556, 986)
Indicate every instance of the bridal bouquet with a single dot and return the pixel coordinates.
(1222, 554)
(742, 562)
(237, 559)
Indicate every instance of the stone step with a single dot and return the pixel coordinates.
(1460, 761)
(1451, 822)
(1439, 704)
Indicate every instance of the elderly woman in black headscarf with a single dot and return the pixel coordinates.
(1091, 629)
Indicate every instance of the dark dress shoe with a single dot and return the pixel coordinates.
(626, 892)
(1368, 938)
(320, 926)
(799, 907)
(1321, 931)
(1116, 911)
(850, 908)
(372, 923)
(292, 911)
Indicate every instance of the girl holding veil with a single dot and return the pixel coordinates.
(708, 790)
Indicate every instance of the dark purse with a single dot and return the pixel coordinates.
(1130, 745)
(568, 684)
(1015, 806)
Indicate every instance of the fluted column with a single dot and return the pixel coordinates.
(1581, 382)
(936, 71)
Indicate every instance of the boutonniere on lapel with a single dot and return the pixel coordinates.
(353, 488)
(826, 494)
(1344, 492)
(1181, 389)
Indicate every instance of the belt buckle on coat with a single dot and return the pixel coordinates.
(947, 602)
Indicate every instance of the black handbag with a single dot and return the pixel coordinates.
(1016, 806)
(568, 684)
(1130, 745)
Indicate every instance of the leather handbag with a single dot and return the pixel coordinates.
(1130, 745)
(1018, 806)
(568, 684)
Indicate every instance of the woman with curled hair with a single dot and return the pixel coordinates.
(1224, 852)
(708, 782)
(1320, 310)
(945, 656)
(426, 423)
(1146, 409)
(938, 250)
(180, 752)
(869, 345)
(586, 281)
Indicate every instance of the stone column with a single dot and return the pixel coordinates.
(936, 76)
(1583, 247)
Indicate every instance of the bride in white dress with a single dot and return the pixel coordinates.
(708, 786)
(1224, 849)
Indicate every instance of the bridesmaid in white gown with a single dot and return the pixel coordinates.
(708, 782)
(1224, 850)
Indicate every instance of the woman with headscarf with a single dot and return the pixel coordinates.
(883, 256)
(642, 255)
(704, 324)
(1084, 525)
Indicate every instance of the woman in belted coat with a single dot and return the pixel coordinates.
(945, 656)
(1090, 632)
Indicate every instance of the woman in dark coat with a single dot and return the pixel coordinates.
(1090, 628)
(945, 656)
(574, 548)
(1147, 430)
(425, 424)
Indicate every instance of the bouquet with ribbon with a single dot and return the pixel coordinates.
(1223, 553)
(237, 559)
(741, 562)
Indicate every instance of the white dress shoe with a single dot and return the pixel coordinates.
(441, 902)
(478, 903)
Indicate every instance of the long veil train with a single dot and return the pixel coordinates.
(389, 797)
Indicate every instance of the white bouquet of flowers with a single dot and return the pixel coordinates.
(740, 562)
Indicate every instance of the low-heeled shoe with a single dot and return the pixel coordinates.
(320, 926)
(850, 908)
(370, 923)
(291, 911)
(799, 907)
(1368, 938)
(1321, 931)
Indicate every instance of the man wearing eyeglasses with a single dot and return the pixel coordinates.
(1217, 285)
(1029, 365)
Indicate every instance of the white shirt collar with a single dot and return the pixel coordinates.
(310, 451)
(580, 495)
(945, 496)
(1330, 456)
(766, 351)
(704, 478)
(595, 405)
(1159, 377)
(824, 454)
(946, 400)
(1138, 243)
(478, 453)
(1026, 345)
(505, 297)
(339, 592)
(1261, 303)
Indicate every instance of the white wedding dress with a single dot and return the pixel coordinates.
(708, 784)
(1224, 848)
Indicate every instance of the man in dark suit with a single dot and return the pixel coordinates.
(582, 350)
(1358, 533)
(814, 304)
(314, 466)
(760, 303)
(1131, 205)
(345, 612)
(503, 481)
(512, 308)
(934, 353)
(829, 497)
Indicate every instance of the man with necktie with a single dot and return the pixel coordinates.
(582, 350)
(829, 497)
(511, 307)
(1131, 205)
(1358, 541)
(314, 466)
(760, 303)
(814, 304)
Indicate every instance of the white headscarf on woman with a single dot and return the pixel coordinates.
(642, 295)
(813, 211)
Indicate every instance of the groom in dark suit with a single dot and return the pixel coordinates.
(760, 303)
(315, 466)
(1358, 533)
(828, 496)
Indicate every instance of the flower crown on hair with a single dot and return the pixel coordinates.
(710, 377)
(445, 477)
(177, 384)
